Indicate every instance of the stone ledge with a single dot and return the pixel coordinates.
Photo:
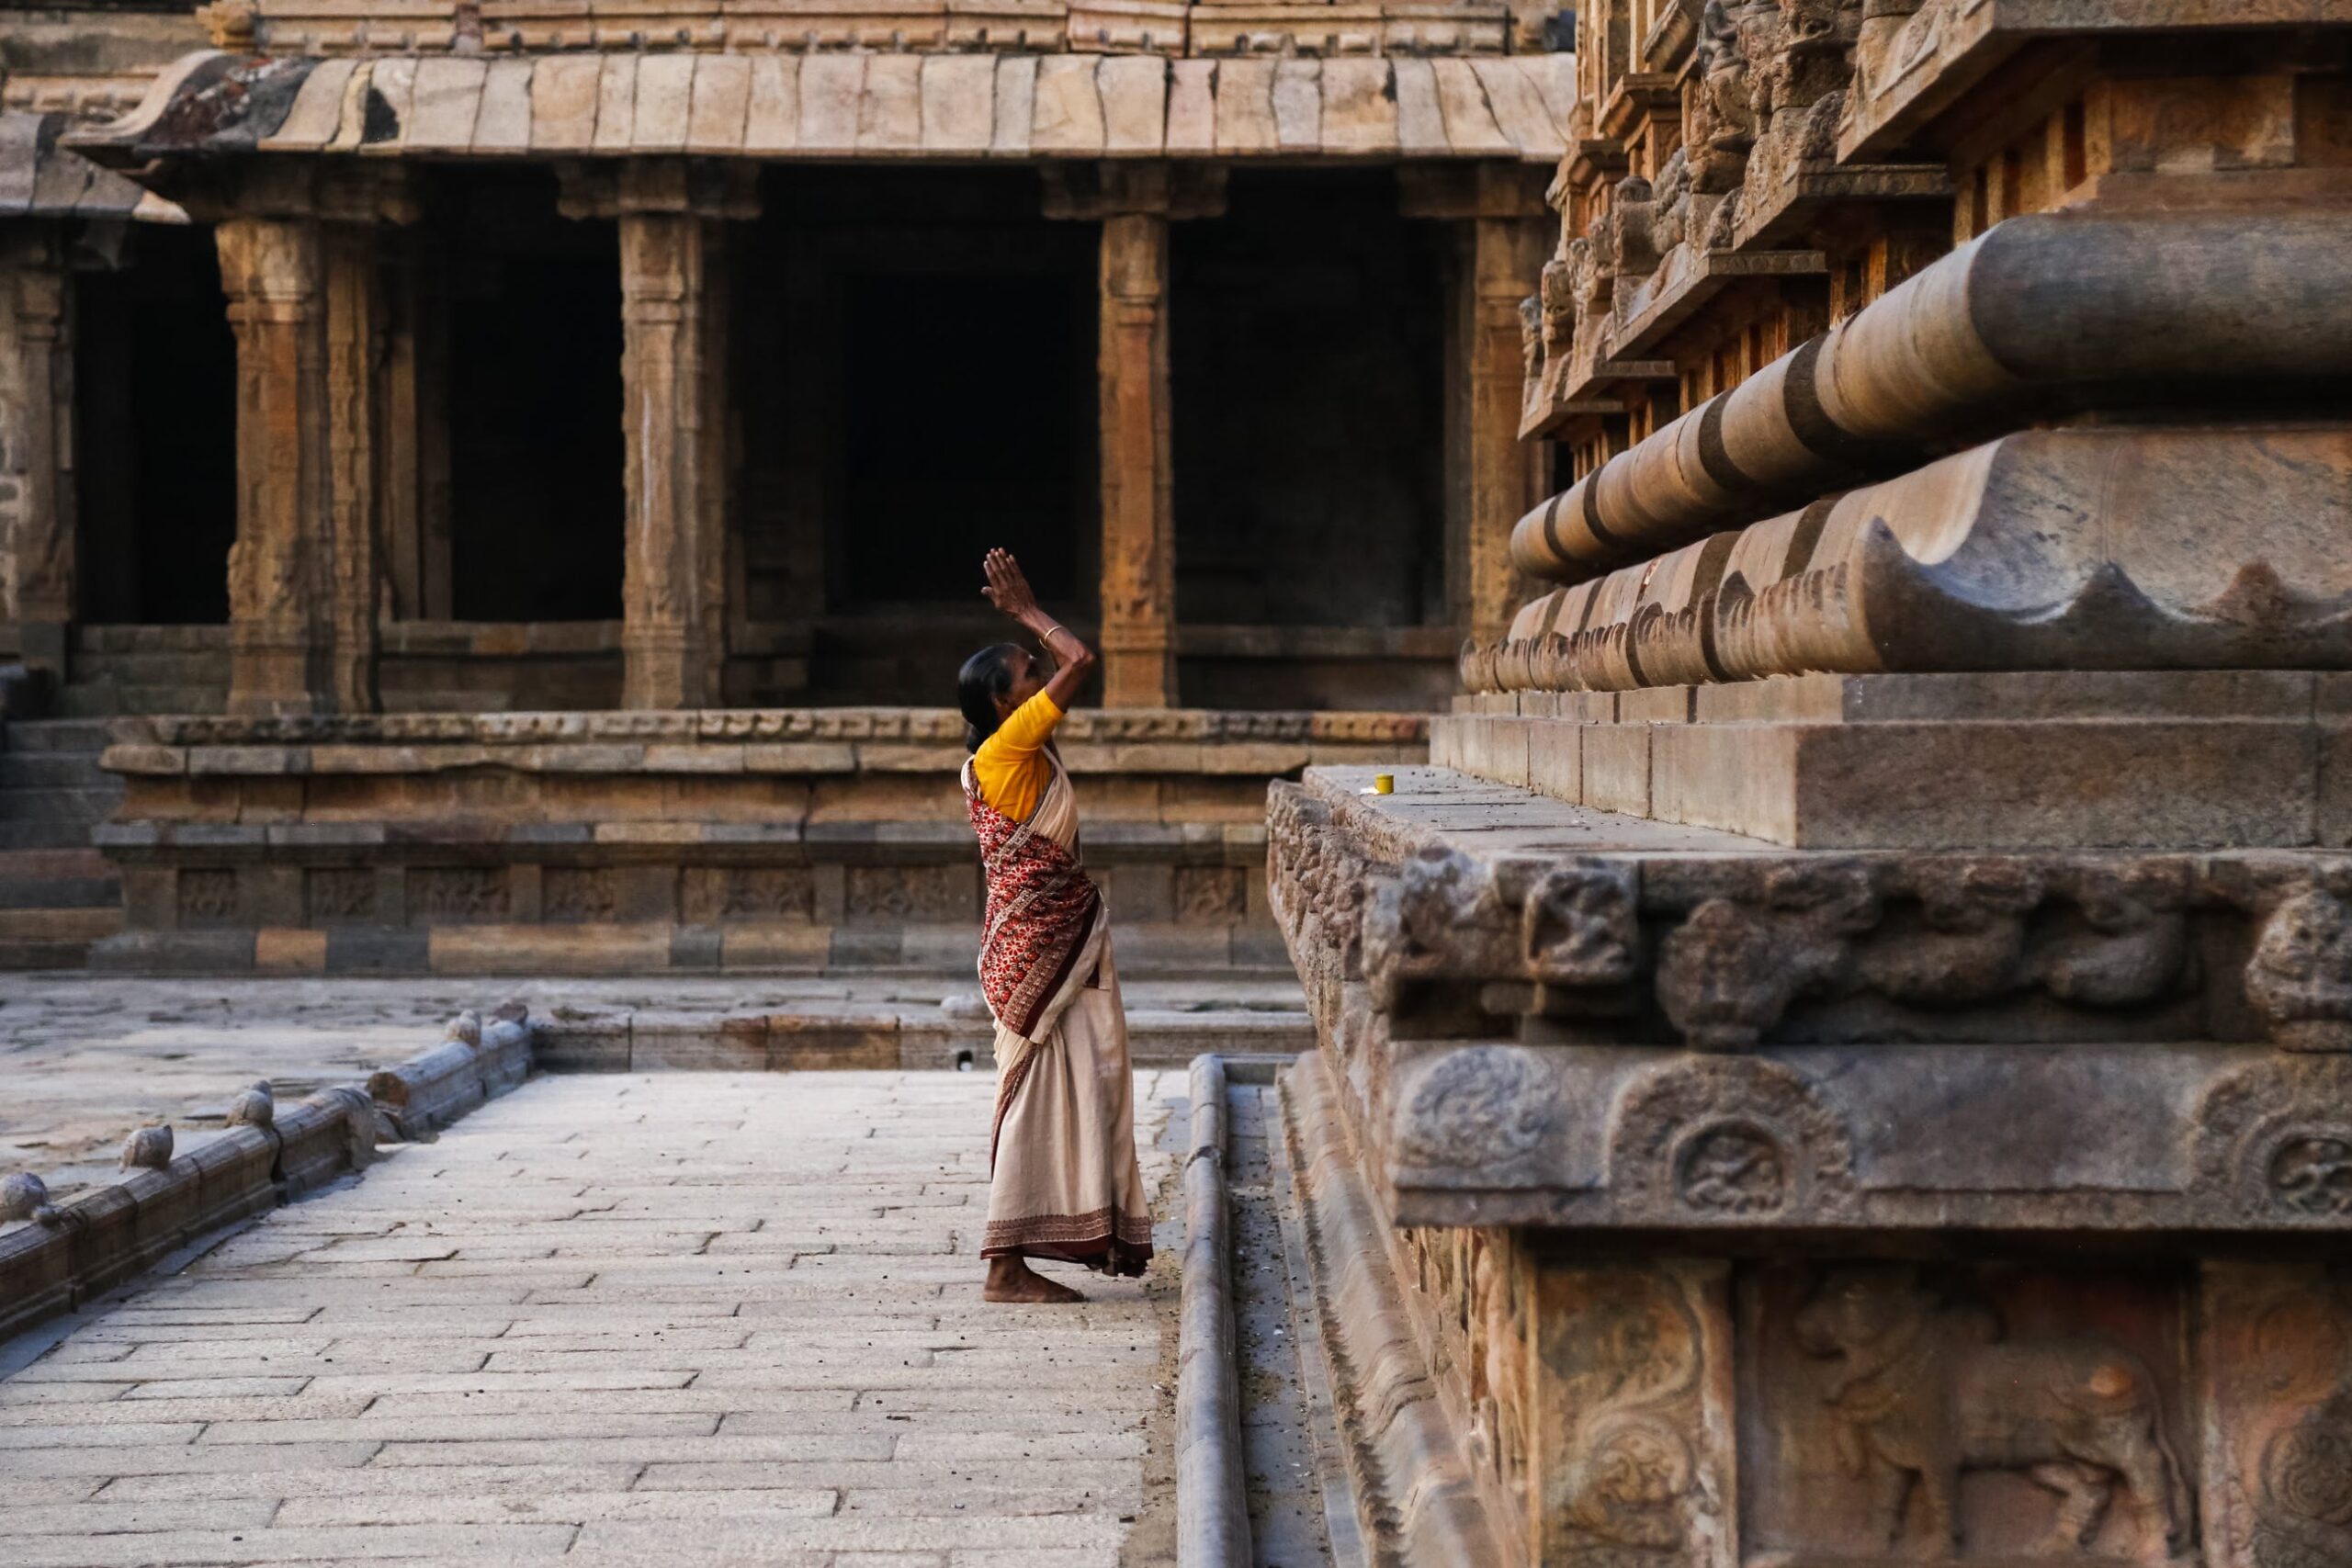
(68, 1253)
(934, 726)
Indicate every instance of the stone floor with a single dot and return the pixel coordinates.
(84, 1058)
(684, 1318)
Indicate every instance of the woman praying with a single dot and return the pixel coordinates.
(1063, 1179)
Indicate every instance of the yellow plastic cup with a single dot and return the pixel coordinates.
(1383, 784)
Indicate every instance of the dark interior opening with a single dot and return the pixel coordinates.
(1306, 361)
(536, 484)
(155, 433)
(986, 457)
(916, 368)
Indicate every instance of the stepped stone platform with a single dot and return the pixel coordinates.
(692, 1318)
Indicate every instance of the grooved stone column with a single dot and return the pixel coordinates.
(673, 374)
(46, 576)
(1138, 506)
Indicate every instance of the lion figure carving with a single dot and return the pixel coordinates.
(1922, 1391)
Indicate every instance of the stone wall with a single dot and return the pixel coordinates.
(775, 839)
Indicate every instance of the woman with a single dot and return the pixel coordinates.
(1063, 1179)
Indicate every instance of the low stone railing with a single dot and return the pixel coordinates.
(74, 1251)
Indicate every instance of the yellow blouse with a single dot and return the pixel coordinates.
(1010, 767)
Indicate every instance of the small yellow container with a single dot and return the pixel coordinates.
(1383, 784)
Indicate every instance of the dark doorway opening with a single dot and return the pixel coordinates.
(535, 490)
(917, 364)
(1306, 361)
(155, 433)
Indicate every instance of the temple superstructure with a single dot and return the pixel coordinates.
(1842, 1058)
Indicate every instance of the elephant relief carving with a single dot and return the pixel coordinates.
(1922, 1390)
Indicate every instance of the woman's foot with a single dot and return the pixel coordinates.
(1011, 1279)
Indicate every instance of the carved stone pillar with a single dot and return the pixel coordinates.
(271, 269)
(46, 579)
(1492, 478)
(1138, 490)
(1134, 204)
(673, 417)
(299, 267)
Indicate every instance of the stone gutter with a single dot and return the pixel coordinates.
(1212, 1501)
(73, 1252)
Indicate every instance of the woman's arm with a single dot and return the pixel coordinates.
(1008, 589)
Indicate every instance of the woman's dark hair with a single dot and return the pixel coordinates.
(986, 676)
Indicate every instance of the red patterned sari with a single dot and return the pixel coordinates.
(1064, 1180)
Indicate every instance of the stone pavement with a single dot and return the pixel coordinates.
(685, 1318)
(85, 1057)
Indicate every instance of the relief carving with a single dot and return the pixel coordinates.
(1622, 1354)
(575, 893)
(909, 892)
(1724, 114)
(1732, 1167)
(457, 893)
(1211, 894)
(1439, 918)
(333, 893)
(1579, 926)
(2299, 978)
(2280, 1349)
(1923, 1390)
(2313, 1176)
(1716, 1138)
(1479, 1108)
(208, 895)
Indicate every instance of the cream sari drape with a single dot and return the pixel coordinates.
(1065, 1181)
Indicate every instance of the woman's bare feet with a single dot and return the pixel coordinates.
(1011, 1279)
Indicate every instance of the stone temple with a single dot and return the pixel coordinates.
(1834, 515)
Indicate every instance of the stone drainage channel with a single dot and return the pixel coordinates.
(1258, 1480)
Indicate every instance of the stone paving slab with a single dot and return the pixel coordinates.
(87, 1057)
(645, 1397)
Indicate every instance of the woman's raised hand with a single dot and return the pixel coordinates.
(1007, 589)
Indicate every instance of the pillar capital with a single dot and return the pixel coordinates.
(332, 191)
(1486, 189)
(1111, 189)
(699, 187)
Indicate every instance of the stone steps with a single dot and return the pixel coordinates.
(102, 699)
(58, 894)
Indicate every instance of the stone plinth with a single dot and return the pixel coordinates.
(1745, 1203)
(600, 843)
(2099, 759)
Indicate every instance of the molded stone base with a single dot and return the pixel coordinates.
(2117, 760)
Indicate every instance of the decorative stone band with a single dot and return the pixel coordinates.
(1457, 905)
(1419, 1498)
(2077, 548)
(1506, 1000)
(903, 726)
(777, 104)
(2068, 308)
(72, 1252)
